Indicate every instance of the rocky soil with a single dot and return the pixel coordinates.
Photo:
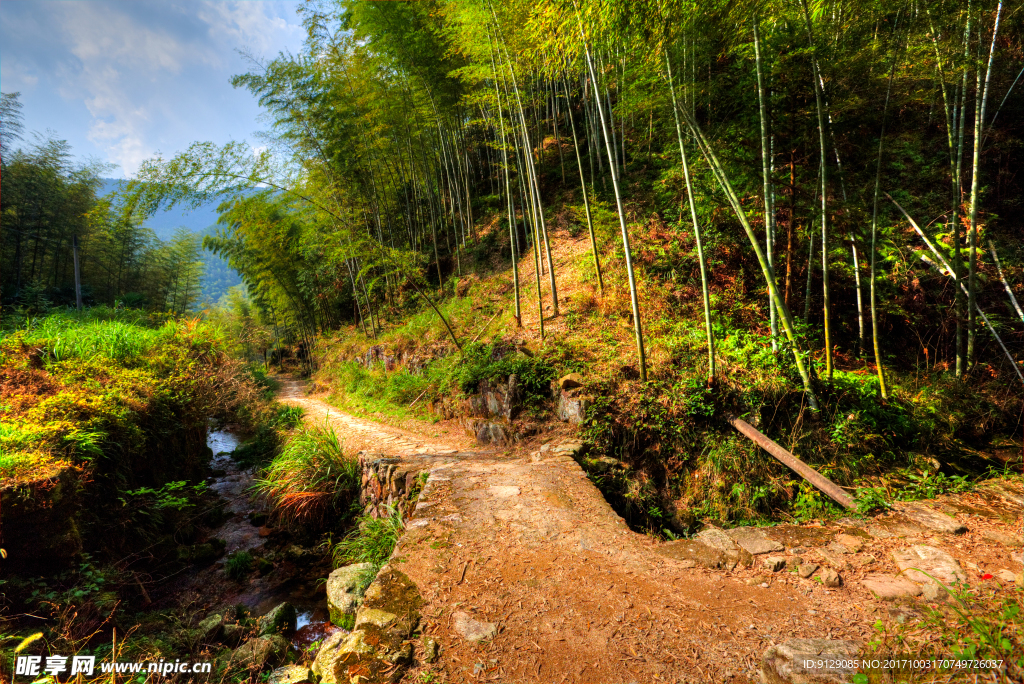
(514, 568)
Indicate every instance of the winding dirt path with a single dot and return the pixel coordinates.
(575, 596)
(520, 547)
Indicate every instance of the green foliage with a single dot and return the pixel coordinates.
(930, 485)
(371, 541)
(872, 499)
(312, 481)
(495, 363)
(238, 565)
(976, 623)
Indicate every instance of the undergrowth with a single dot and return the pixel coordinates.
(371, 541)
(977, 623)
(312, 480)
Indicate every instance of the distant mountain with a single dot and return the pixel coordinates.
(218, 276)
(166, 222)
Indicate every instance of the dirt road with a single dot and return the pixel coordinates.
(529, 575)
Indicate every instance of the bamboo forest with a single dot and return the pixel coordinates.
(551, 341)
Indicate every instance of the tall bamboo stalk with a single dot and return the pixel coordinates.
(730, 193)
(583, 188)
(872, 276)
(630, 275)
(979, 126)
(696, 227)
(827, 304)
(508, 192)
(769, 204)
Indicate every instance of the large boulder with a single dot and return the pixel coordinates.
(280, 620)
(232, 634)
(379, 647)
(344, 592)
(260, 652)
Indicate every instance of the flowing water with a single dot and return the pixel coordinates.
(232, 482)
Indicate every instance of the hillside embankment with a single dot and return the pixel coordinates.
(513, 567)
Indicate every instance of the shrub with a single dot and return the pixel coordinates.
(372, 540)
(311, 478)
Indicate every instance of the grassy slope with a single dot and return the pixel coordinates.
(683, 454)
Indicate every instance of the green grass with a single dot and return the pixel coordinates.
(371, 541)
(312, 480)
(238, 565)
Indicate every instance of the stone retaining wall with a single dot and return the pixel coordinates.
(387, 482)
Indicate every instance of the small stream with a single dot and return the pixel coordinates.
(261, 594)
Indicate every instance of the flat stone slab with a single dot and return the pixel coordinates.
(503, 491)
(786, 663)
(915, 561)
(472, 629)
(716, 539)
(1007, 540)
(797, 535)
(933, 519)
(754, 540)
(888, 587)
(690, 551)
(1005, 491)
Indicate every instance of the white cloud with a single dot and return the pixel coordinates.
(17, 76)
(247, 24)
(151, 74)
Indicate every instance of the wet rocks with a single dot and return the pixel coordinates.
(888, 588)
(378, 648)
(280, 620)
(291, 674)
(343, 595)
(472, 629)
(259, 652)
(923, 563)
(786, 663)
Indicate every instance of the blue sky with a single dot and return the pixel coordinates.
(121, 80)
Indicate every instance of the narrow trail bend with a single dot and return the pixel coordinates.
(528, 544)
